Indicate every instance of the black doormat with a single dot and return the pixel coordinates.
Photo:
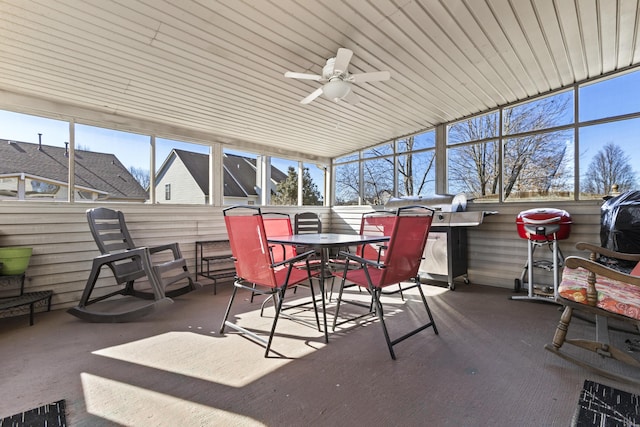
(51, 415)
(605, 406)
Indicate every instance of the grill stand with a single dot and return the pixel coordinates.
(446, 265)
(554, 265)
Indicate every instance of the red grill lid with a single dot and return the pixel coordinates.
(542, 223)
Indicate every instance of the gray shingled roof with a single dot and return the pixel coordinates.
(95, 171)
(239, 172)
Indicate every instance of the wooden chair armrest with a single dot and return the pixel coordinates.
(601, 270)
(594, 249)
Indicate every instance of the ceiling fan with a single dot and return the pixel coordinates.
(337, 79)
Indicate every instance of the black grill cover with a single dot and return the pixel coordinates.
(620, 223)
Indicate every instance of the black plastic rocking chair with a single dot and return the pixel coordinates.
(164, 279)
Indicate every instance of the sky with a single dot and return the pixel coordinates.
(616, 96)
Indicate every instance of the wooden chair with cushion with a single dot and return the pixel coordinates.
(591, 288)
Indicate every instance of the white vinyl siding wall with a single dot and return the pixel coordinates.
(63, 248)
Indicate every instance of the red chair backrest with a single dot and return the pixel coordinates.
(405, 248)
(375, 224)
(249, 247)
(279, 225)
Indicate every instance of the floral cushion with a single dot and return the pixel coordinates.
(613, 296)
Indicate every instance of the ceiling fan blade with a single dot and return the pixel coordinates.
(342, 60)
(377, 76)
(351, 98)
(313, 95)
(304, 76)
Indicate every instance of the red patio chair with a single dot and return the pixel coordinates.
(279, 224)
(255, 269)
(400, 263)
(376, 223)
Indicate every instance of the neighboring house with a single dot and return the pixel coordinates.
(35, 171)
(184, 178)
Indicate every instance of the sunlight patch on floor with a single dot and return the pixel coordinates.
(199, 355)
(129, 405)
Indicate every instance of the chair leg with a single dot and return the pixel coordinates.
(432, 322)
(338, 301)
(375, 295)
(226, 313)
(280, 299)
(563, 326)
(315, 306)
(253, 294)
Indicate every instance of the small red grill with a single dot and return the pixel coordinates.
(541, 224)
(542, 227)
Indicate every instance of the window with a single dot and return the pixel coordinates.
(474, 129)
(464, 174)
(313, 184)
(533, 158)
(539, 114)
(608, 150)
(416, 169)
(417, 142)
(378, 176)
(167, 191)
(9, 188)
(111, 165)
(284, 178)
(242, 173)
(185, 166)
(381, 150)
(611, 97)
(347, 187)
(37, 189)
(538, 166)
(405, 167)
(608, 156)
(34, 161)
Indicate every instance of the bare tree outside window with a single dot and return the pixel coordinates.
(611, 165)
(416, 171)
(378, 180)
(535, 164)
(141, 175)
(347, 183)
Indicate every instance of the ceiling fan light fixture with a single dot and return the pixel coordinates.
(336, 89)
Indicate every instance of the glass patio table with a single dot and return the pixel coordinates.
(322, 242)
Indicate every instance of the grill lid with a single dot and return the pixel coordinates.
(541, 223)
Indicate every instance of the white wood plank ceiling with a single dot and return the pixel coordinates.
(216, 66)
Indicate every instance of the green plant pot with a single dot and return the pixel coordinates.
(14, 260)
